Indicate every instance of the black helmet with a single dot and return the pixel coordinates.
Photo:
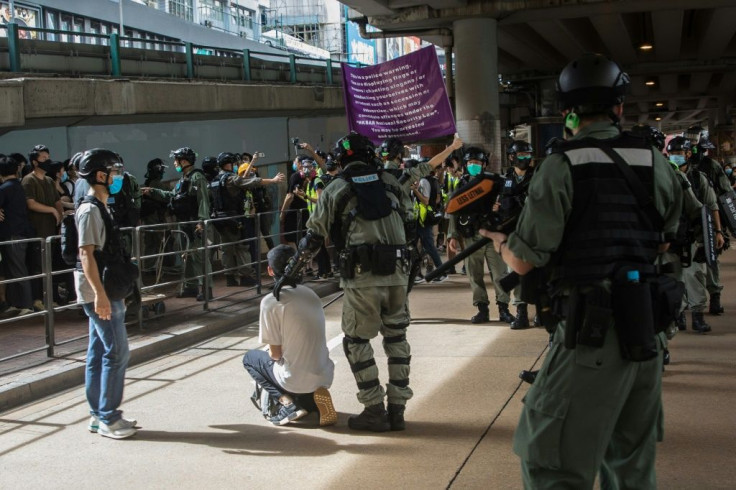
(33, 155)
(226, 157)
(354, 147)
(475, 153)
(391, 148)
(74, 160)
(519, 146)
(679, 143)
(700, 137)
(184, 153)
(592, 84)
(653, 135)
(210, 167)
(97, 160)
(156, 164)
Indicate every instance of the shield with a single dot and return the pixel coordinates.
(727, 210)
(709, 236)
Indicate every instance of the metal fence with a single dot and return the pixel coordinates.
(181, 248)
(118, 56)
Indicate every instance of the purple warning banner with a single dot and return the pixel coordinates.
(403, 98)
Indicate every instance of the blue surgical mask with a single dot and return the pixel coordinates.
(729, 171)
(475, 169)
(179, 169)
(235, 169)
(64, 177)
(678, 160)
(294, 166)
(117, 184)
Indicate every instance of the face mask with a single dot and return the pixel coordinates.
(179, 169)
(729, 171)
(235, 169)
(294, 166)
(522, 163)
(678, 160)
(475, 169)
(117, 184)
(64, 177)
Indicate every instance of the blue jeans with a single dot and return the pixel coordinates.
(427, 238)
(107, 359)
(259, 365)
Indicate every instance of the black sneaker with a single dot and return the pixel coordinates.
(373, 418)
(288, 413)
(231, 281)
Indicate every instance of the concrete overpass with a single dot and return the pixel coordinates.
(688, 75)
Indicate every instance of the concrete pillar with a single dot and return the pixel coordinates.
(476, 85)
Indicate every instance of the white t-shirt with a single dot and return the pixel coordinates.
(297, 324)
(91, 230)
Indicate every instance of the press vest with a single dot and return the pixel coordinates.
(607, 228)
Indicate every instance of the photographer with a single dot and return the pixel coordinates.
(294, 210)
(99, 244)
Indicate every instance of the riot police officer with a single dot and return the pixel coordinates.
(699, 159)
(511, 200)
(189, 201)
(595, 403)
(466, 226)
(153, 208)
(364, 212)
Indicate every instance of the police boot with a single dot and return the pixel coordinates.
(528, 376)
(504, 314)
(373, 418)
(522, 318)
(715, 304)
(483, 314)
(681, 322)
(699, 324)
(536, 322)
(396, 416)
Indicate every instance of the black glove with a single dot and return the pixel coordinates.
(281, 282)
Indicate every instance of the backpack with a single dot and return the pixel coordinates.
(70, 234)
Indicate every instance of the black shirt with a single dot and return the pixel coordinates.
(14, 205)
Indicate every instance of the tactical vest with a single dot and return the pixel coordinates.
(184, 204)
(513, 194)
(367, 196)
(607, 228)
(224, 203)
(122, 205)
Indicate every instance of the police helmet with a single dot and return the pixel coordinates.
(74, 160)
(475, 153)
(651, 134)
(210, 167)
(156, 164)
(184, 153)
(97, 160)
(700, 137)
(592, 84)
(36, 151)
(679, 143)
(225, 158)
(354, 147)
(391, 148)
(519, 146)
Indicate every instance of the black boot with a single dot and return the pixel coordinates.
(231, 281)
(536, 321)
(681, 322)
(699, 324)
(396, 416)
(528, 376)
(483, 314)
(715, 304)
(373, 418)
(504, 314)
(522, 318)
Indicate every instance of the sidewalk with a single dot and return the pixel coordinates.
(199, 429)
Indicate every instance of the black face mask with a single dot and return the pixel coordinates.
(45, 166)
(522, 164)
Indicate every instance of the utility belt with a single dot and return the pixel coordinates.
(637, 310)
(378, 259)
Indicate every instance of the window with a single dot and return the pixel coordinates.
(182, 8)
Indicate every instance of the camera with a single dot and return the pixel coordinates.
(259, 154)
(295, 141)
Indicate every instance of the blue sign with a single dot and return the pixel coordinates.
(360, 50)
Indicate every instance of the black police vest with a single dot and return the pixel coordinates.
(514, 192)
(184, 203)
(606, 229)
(223, 202)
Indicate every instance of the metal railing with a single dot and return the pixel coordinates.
(111, 57)
(209, 246)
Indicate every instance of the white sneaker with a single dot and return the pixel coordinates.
(119, 430)
(94, 423)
